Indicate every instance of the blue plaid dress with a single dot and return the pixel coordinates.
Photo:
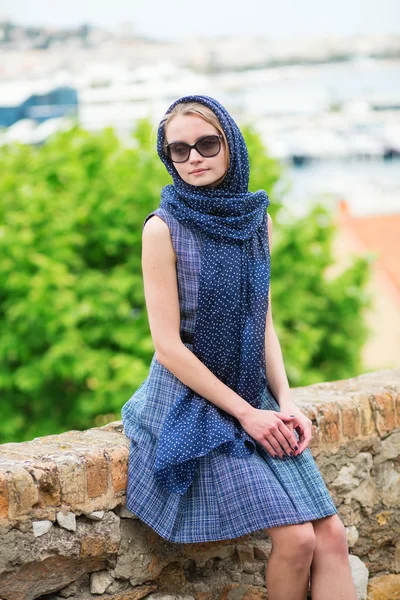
(229, 496)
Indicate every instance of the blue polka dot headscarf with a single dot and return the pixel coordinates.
(229, 332)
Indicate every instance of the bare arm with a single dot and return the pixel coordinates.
(276, 373)
(162, 301)
(275, 369)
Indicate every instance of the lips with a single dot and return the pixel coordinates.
(198, 171)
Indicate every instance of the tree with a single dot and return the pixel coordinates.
(74, 340)
(74, 337)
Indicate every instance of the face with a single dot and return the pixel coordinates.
(197, 170)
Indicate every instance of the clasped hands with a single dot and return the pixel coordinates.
(275, 430)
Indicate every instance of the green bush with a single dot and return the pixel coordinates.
(75, 341)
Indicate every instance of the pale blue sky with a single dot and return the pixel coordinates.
(174, 19)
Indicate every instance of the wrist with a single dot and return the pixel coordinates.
(243, 410)
(286, 403)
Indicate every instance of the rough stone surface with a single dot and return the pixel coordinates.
(352, 535)
(160, 596)
(68, 520)
(41, 527)
(97, 515)
(30, 565)
(385, 587)
(359, 573)
(100, 582)
(65, 531)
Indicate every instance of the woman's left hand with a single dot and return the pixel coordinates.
(304, 428)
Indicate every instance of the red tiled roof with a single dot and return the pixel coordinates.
(380, 234)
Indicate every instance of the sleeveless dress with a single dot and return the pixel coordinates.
(229, 496)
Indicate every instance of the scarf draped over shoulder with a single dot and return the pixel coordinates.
(229, 336)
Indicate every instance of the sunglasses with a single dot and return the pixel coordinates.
(207, 146)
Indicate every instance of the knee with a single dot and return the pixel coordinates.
(298, 548)
(331, 536)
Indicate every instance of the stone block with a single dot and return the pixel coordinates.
(22, 492)
(328, 420)
(41, 527)
(351, 420)
(67, 520)
(352, 535)
(383, 412)
(100, 582)
(72, 479)
(136, 593)
(262, 549)
(366, 414)
(96, 515)
(142, 555)
(384, 587)
(96, 474)
(359, 574)
(202, 552)
(162, 596)
(365, 493)
(397, 408)
(388, 482)
(245, 552)
(351, 474)
(238, 591)
(3, 497)
(390, 448)
(118, 458)
(28, 581)
(47, 479)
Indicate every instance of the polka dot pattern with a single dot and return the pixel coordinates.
(229, 334)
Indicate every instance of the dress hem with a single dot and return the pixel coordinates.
(238, 534)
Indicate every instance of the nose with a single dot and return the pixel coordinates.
(194, 156)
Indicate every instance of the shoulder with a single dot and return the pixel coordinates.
(156, 229)
(156, 237)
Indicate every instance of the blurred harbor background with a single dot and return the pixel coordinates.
(328, 107)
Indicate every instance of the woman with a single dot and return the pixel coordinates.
(218, 447)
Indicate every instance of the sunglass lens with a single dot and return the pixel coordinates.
(208, 146)
(179, 152)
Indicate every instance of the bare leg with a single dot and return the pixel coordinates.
(288, 565)
(330, 570)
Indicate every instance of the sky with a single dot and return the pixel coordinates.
(179, 19)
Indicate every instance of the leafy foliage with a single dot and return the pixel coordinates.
(75, 341)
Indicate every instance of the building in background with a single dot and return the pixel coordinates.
(17, 102)
(377, 234)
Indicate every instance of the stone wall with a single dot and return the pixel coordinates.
(65, 533)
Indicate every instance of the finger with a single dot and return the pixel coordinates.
(305, 438)
(290, 421)
(285, 417)
(290, 441)
(268, 446)
(283, 440)
(285, 435)
(305, 441)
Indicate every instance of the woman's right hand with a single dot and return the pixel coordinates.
(269, 429)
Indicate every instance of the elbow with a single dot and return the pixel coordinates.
(165, 354)
(160, 357)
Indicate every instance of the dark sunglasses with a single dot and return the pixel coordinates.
(207, 146)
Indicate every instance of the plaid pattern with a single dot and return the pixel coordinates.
(230, 496)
